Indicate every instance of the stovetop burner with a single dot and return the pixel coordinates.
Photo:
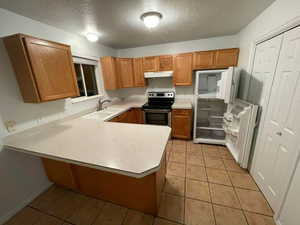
(160, 100)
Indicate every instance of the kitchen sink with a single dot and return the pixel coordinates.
(104, 114)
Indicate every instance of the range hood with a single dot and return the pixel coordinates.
(158, 74)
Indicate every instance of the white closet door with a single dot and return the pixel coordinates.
(279, 140)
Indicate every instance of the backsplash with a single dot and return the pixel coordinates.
(158, 84)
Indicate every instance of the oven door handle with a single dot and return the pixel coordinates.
(157, 110)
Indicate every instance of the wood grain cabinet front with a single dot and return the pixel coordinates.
(203, 59)
(226, 57)
(151, 64)
(44, 69)
(125, 70)
(182, 123)
(166, 62)
(109, 72)
(183, 69)
(134, 115)
(215, 59)
(138, 71)
(60, 173)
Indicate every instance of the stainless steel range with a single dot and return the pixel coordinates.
(159, 107)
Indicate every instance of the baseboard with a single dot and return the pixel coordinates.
(12, 212)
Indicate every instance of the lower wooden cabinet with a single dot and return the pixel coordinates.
(134, 115)
(182, 123)
(142, 194)
(60, 173)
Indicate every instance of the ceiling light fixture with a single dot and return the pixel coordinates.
(92, 37)
(151, 19)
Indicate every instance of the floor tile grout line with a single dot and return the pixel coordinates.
(98, 214)
(238, 199)
(51, 215)
(184, 201)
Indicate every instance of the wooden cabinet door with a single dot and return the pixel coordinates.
(183, 69)
(60, 173)
(140, 116)
(181, 123)
(151, 63)
(125, 69)
(226, 58)
(53, 69)
(204, 59)
(138, 71)
(165, 62)
(109, 73)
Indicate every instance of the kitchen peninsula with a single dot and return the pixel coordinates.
(120, 162)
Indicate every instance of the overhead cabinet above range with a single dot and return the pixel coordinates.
(44, 69)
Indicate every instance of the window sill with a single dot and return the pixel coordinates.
(84, 98)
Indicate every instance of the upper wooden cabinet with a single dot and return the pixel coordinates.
(109, 73)
(44, 69)
(216, 59)
(151, 64)
(226, 58)
(125, 71)
(138, 71)
(165, 62)
(183, 69)
(203, 59)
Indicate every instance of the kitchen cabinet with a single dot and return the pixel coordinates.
(183, 69)
(215, 59)
(134, 115)
(226, 57)
(139, 115)
(125, 71)
(109, 72)
(151, 64)
(138, 71)
(60, 173)
(182, 123)
(203, 59)
(141, 194)
(165, 62)
(44, 69)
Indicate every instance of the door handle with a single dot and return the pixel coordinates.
(279, 133)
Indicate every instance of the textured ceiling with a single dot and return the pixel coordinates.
(118, 21)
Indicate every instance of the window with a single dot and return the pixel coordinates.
(87, 81)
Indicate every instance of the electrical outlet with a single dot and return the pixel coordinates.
(10, 125)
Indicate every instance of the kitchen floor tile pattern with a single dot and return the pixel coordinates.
(204, 186)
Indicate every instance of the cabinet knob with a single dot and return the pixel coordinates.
(279, 133)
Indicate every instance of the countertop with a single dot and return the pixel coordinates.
(182, 104)
(134, 150)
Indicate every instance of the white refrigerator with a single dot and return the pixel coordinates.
(221, 118)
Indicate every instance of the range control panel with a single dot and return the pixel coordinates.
(170, 94)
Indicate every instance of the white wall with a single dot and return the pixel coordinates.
(173, 48)
(22, 175)
(275, 16)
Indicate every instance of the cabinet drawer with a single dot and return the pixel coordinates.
(181, 111)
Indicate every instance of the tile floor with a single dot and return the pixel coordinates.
(204, 186)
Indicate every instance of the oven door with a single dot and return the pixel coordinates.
(157, 117)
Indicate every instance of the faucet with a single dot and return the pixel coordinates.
(101, 102)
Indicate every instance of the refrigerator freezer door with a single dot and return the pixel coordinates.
(228, 85)
(239, 125)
